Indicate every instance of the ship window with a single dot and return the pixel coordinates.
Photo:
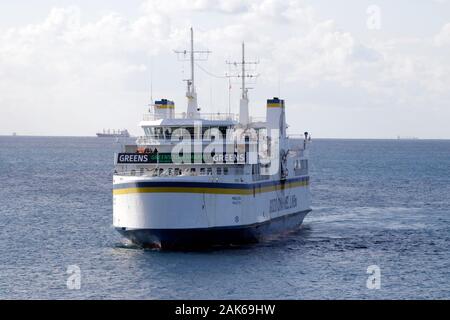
(177, 171)
(209, 171)
(158, 133)
(304, 164)
(167, 133)
(190, 130)
(170, 171)
(193, 170)
(202, 171)
(225, 171)
(219, 171)
(141, 171)
(223, 130)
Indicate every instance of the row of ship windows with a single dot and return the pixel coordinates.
(166, 132)
(187, 171)
(300, 167)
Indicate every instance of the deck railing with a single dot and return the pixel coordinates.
(296, 136)
(151, 139)
(203, 116)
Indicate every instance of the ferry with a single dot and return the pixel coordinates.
(202, 180)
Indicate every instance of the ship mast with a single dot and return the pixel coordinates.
(244, 90)
(192, 87)
(191, 94)
(244, 118)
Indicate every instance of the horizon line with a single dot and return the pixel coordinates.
(131, 137)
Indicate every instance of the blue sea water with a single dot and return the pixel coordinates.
(384, 203)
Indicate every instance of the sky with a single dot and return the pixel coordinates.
(346, 69)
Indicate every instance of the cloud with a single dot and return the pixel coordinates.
(170, 7)
(443, 37)
(63, 67)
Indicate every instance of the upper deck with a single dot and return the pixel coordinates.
(229, 117)
(205, 119)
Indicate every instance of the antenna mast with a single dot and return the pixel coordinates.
(243, 109)
(244, 90)
(151, 80)
(193, 110)
(192, 60)
(151, 104)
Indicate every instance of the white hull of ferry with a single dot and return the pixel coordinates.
(185, 214)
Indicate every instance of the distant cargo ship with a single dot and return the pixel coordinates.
(114, 134)
(407, 138)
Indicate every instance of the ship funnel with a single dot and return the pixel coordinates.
(165, 109)
(275, 115)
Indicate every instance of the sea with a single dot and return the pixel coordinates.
(379, 229)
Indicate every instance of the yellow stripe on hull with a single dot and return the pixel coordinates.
(274, 105)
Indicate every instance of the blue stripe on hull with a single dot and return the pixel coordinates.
(210, 237)
(147, 184)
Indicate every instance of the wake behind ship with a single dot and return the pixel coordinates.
(200, 180)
